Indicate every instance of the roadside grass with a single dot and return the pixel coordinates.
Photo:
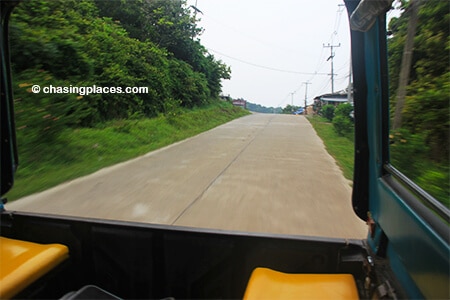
(341, 148)
(78, 152)
(431, 176)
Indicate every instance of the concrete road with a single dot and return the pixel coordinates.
(260, 173)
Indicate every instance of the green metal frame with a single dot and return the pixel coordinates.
(406, 232)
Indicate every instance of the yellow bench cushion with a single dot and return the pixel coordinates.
(269, 284)
(21, 263)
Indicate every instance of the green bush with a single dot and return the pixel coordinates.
(342, 121)
(87, 43)
(344, 110)
(327, 111)
(343, 125)
(40, 117)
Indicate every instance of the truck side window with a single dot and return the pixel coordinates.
(419, 135)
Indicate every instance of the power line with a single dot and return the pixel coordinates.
(321, 60)
(249, 36)
(266, 67)
(337, 23)
(322, 88)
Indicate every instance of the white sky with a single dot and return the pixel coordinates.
(285, 35)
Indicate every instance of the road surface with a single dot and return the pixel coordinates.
(260, 173)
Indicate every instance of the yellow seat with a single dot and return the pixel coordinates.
(21, 263)
(268, 284)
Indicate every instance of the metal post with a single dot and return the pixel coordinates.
(332, 67)
(306, 94)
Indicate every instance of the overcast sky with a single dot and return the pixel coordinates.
(274, 46)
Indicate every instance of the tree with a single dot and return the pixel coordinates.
(171, 26)
(289, 109)
(342, 121)
(426, 104)
(406, 62)
(87, 42)
(327, 111)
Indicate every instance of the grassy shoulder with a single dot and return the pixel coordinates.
(429, 175)
(78, 152)
(341, 148)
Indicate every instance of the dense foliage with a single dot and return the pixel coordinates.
(128, 43)
(122, 43)
(342, 121)
(341, 118)
(426, 110)
(420, 148)
(327, 111)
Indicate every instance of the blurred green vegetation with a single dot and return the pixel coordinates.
(342, 121)
(117, 43)
(420, 148)
(409, 154)
(426, 109)
(80, 151)
(327, 111)
(128, 43)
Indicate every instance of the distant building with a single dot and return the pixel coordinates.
(330, 99)
(333, 99)
(240, 102)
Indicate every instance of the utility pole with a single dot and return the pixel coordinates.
(350, 84)
(196, 10)
(194, 7)
(306, 93)
(292, 101)
(331, 46)
(406, 62)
